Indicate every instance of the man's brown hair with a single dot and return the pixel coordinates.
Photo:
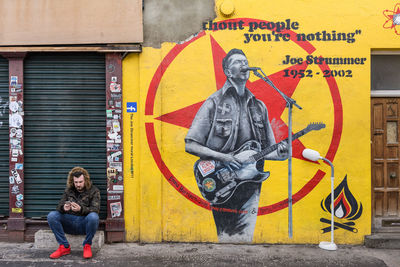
(230, 53)
(76, 172)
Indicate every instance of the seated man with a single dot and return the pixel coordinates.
(77, 213)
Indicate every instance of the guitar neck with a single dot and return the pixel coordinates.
(269, 149)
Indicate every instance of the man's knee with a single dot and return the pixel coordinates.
(92, 217)
(53, 216)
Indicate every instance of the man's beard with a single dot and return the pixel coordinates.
(80, 189)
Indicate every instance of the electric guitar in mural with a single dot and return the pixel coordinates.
(217, 181)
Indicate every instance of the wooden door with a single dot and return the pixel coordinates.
(385, 164)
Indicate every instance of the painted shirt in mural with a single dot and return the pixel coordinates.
(224, 123)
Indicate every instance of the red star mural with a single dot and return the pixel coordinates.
(184, 116)
(274, 102)
(392, 19)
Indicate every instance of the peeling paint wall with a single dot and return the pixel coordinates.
(174, 21)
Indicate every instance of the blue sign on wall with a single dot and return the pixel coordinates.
(131, 107)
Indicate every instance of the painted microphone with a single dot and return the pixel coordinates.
(244, 69)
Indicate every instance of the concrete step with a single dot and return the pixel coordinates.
(383, 240)
(45, 239)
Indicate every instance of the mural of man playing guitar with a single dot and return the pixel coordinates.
(227, 130)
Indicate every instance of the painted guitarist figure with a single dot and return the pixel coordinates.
(227, 120)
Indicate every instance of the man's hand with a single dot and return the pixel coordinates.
(283, 150)
(75, 207)
(228, 159)
(67, 206)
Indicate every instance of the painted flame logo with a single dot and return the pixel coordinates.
(345, 204)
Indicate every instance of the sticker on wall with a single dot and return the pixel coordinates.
(19, 204)
(16, 89)
(109, 113)
(16, 210)
(14, 106)
(114, 197)
(116, 209)
(14, 85)
(13, 132)
(114, 192)
(116, 126)
(16, 176)
(116, 96)
(111, 175)
(116, 165)
(16, 120)
(111, 147)
(115, 156)
(14, 189)
(19, 166)
(16, 152)
(114, 137)
(345, 207)
(18, 133)
(115, 87)
(20, 107)
(118, 187)
(20, 197)
(15, 143)
(13, 81)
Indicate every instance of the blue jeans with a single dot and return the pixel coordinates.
(62, 224)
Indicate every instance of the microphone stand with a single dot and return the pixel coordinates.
(289, 104)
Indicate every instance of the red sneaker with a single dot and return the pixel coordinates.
(87, 251)
(61, 251)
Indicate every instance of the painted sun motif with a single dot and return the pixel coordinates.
(392, 19)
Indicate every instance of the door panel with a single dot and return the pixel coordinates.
(385, 164)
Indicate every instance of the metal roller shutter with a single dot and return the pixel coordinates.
(65, 125)
(4, 150)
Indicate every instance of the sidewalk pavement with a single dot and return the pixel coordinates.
(201, 254)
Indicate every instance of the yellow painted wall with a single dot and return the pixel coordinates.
(156, 211)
